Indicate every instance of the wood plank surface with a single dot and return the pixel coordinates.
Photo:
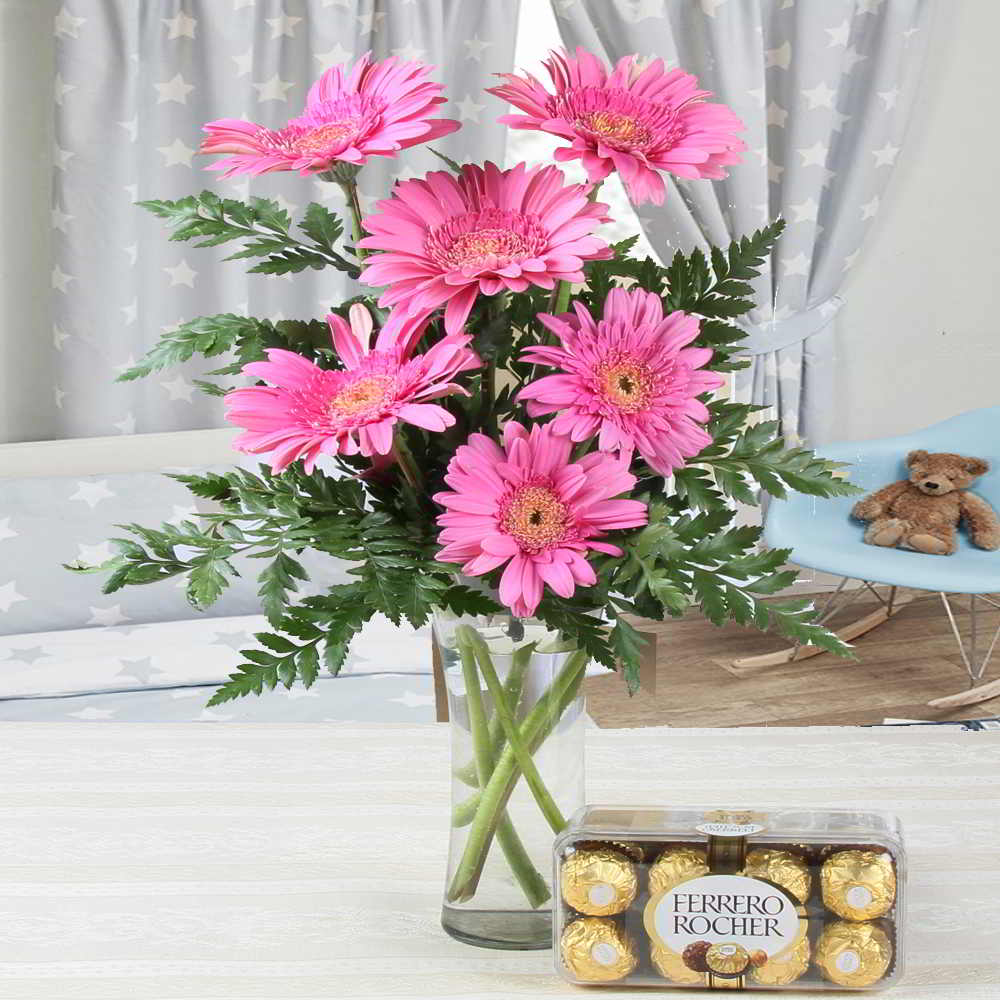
(902, 665)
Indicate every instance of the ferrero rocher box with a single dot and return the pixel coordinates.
(730, 899)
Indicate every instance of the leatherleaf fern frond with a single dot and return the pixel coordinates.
(263, 227)
(274, 519)
(680, 560)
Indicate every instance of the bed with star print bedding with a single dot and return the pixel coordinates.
(70, 652)
(166, 672)
(46, 522)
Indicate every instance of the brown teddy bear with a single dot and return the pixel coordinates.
(923, 512)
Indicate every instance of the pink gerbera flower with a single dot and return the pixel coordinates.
(629, 377)
(307, 411)
(633, 120)
(527, 503)
(373, 109)
(449, 238)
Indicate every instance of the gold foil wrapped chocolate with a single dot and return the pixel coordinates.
(783, 868)
(672, 966)
(853, 954)
(727, 959)
(784, 969)
(630, 849)
(599, 883)
(676, 865)
(858, 885)
(598, 950)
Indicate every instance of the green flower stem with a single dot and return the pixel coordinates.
(350, 189)
(404, 458)
(477, 713)
(525, 762)
(527, 875)
(561, 303)
(512, 689)
(495, 795)
(465, 812)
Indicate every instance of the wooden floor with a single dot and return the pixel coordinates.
(902, 665)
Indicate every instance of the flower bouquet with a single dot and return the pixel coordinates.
(512, 427)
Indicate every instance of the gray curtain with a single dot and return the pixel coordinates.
(825, 90)
(135, 83)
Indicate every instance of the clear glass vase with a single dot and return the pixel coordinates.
(517, 751)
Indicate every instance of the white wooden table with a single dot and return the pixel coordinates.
(189, 862)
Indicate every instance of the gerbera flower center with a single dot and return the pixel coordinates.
(625, 384)
(319, 140)
(327, 128)
(617, 118)
(363, 396)
(612, 125)
(534, 516)
(489, 238)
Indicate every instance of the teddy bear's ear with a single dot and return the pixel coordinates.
(916, 456)
(977, 466)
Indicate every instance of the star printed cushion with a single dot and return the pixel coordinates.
(394, 698)
(194, 653)
(46, 522)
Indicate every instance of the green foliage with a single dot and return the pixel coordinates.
(277, 580)
(247, 338)
(575, 619)
(627, 644)
(263, 227)
(716, 287)
(756, 455)
(699, 558)
(690, 554)
(208, 336)
(453, 165)
(317, 632)
(272, 518)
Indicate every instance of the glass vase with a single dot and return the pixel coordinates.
(517, 751)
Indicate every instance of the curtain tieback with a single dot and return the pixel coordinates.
(763, 338)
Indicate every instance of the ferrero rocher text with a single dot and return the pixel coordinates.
(726, 915)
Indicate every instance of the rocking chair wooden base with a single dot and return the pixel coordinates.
(974, 662)
(971, 697)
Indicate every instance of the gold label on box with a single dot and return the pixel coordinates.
(729, 829)
(732, 823)
(744, 914)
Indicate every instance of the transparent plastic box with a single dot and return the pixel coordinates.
(730, 899)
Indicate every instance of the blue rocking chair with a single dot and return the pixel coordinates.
(823, 536)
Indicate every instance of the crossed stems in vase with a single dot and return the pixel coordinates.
(502, 753)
